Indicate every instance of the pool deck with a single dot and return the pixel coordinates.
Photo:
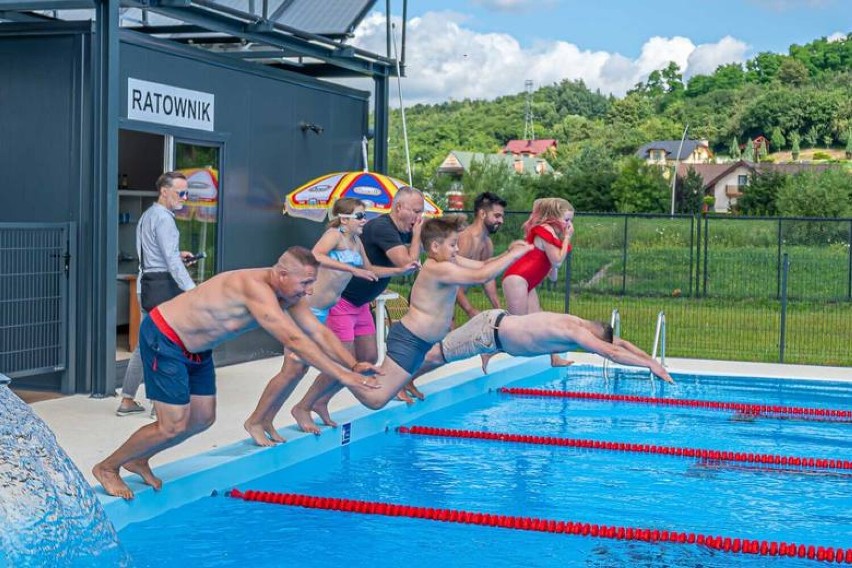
(88, 429)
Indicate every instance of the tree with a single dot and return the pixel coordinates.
(762, 152)
(690, 193)
(640, 188)
(760, 195)
(817, 194)
(734, 149)
(792, 72)
(777, 139)
(811, 136)
(795, 142)
(748, 151)
(849, 144)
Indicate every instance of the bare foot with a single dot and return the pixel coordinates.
(141, 468)
(262, 434)
(112, 482)
(557, 361)
(304, 420)
(413, 391)
(403, 396)
(321, 409)
(485, 359)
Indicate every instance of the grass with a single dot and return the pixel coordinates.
(722, 301)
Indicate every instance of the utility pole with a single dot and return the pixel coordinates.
(529, 130)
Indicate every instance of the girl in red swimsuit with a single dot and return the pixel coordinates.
(549, 228)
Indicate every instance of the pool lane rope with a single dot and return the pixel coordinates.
(769, 460)
(838, 555)
(752, 410)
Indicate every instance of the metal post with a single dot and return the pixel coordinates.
(624, 259)
(778, 263)
(104, 205)
(380, 125)
(706, 241)
(691, 252)
(783, 341)
(849, 283)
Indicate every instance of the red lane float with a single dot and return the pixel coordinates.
(755, 410)
(837, 555)
(772, 460)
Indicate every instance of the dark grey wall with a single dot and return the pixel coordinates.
(40, 93)
(266, 154)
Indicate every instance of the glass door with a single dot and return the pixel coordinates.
(198, 221)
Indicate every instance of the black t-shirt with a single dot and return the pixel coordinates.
(379, 236)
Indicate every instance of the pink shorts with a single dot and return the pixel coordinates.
(347, 321)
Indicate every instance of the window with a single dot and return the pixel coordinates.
(742, 180)
(199, 219)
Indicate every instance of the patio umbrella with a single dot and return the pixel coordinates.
(314, 199)
(201, 205)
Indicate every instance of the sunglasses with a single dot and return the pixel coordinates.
(183, 194)
(359, 216)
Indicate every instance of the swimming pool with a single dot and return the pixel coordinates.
(621, 471)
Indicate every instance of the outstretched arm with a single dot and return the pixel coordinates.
(263, 305)
(624, 352)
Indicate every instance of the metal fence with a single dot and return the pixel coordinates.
(33, 297)
(718, 279)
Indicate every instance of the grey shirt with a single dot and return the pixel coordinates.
(158, 246)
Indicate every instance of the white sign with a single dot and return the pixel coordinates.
(164, 104)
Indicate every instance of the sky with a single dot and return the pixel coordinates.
(483, 49)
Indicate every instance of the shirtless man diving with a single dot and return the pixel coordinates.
(176, 342)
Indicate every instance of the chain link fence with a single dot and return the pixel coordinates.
(719, 280)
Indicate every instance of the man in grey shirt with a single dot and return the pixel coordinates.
(157, 245)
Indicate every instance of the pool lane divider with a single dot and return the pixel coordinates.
(750, 410)
(805, 463)
(838, 555)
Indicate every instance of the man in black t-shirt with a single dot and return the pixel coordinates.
(389, 240)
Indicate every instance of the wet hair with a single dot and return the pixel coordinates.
(345, 206)
(167, 180)
(604, 330)
(404, 192)
(548, 211)
(436, 230)
(486, 200)
(296, 255)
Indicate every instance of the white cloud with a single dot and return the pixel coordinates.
(705, 58)
(837, 36)
(445, 60)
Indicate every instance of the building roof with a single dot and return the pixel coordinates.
(534, 147)
(458, 162)
(670, 147)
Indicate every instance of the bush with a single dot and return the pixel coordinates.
(821, 156)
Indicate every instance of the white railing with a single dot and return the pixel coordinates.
(660, 340)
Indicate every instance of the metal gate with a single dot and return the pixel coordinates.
(34, 265)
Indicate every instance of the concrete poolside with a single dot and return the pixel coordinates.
(89, 430)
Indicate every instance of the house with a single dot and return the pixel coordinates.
(531, 147)
(457, 163)
(665, 152)
(727, 182)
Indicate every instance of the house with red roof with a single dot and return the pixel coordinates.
(531, 148)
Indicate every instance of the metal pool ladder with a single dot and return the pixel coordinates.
(615, 323)
(660, 340)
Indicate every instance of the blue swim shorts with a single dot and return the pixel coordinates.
(171, 372)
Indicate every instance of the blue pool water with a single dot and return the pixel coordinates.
(613, 488)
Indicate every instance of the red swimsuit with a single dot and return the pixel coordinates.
(535, 265)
